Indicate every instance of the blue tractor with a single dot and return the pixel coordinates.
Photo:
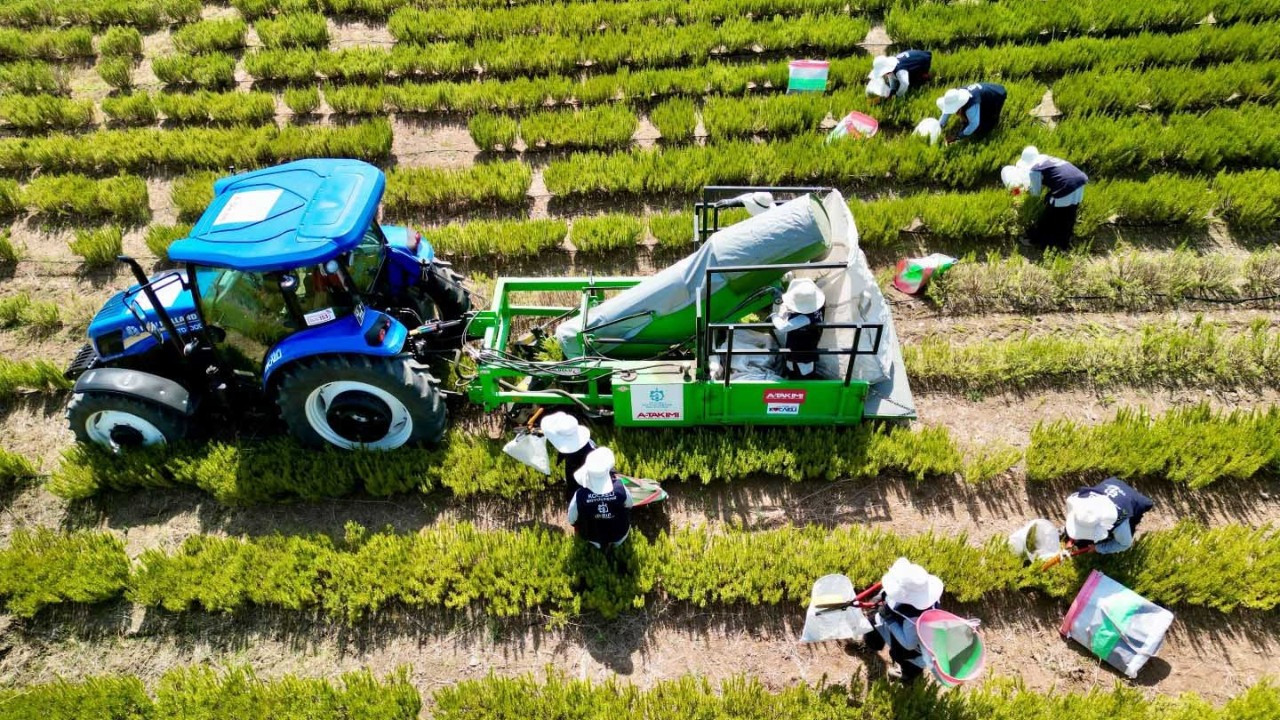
(288, 293)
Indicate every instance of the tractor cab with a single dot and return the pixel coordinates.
(286, 270)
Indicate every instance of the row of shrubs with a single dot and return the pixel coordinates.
(506, 573)
(200, 108)
(143, 14)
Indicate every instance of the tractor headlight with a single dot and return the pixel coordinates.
(109, 344)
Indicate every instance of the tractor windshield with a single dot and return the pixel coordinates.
(365, 259)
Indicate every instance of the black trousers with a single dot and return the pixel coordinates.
(900, 655)
(1055, 227)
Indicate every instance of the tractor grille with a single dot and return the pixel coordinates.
(84, 360)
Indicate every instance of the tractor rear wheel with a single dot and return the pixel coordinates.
(356, 402)
(119, 423)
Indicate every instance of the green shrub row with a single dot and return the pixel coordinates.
(217, 35)
(649, 47)
(939, 25)
(412, 190)
(10, 198)
(202, 693)
(75, 197)
(606, 233)
(144, 14)
(20, 310)
(212, 71)
(9, 254)
(116, 72)
(33, 77)
(68, 44)
(676, 120)
(1192, 446)
(17, 376)
(42, 113)
(1166, 89)
(1220, 139)
(200, 108)
(13, 469)
(598, 127)
(508, 238)
(510, 572)
(98, 247)
(1121, 280)
(302, 101)
(435, 24)
(120, 41)
(1249, 201)
(253, 9)
(193, 148)
(1165, 353)
(160, 237)
(294, 30)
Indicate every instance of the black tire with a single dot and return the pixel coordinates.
(102, 419)
(351, 418)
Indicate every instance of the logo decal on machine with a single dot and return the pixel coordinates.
(656, 403)
(783, 402)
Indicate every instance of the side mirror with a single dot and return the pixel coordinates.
(289, 283)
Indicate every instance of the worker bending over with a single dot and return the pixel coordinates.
(1105, 516)
(977, 110)
(1062, 185)
(893, 75)
(571, 441)
(799, 325)
(601, 509)
(908, 590)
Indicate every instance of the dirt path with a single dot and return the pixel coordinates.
(1214, 655)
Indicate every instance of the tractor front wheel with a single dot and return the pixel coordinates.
(355, 402)
(119, 423)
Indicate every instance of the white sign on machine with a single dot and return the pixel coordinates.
(248, 206)
(657, 403)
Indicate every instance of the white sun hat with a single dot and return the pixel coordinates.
(803, 296)
(1015, 176)
(1030, 156)
(757, 202)
(929, 128)
(564, 433)
(907, 583)
(880, 67)
(1090, 517)
(596, 473)
(953, 100)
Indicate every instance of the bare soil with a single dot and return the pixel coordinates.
(419, 142)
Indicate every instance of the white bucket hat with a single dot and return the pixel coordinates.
(880, 67)
(1015, 176)
(596, 473)
(1030, 156)
(564, 433)
(803, 296)
(1090, 517)
(757, 202)
(907, 583)
(929, 128)
(953, 100)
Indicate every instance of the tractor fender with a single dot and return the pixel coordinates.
(344, 336)
(139, 384)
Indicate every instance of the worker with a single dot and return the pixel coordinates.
(978, 107)
(907, 591)
(601, 509)
(798, 321)
(1105, 516)
(1062, 184)
(572, 442)
(893, 75)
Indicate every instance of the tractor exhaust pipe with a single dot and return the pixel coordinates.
(145, 283)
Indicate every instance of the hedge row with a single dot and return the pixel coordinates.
(237, 694)
(20, 310)
(1220, 139)
(75, 197)
(17, 376)
(144, 14)
(253, 9)
(13, 469)
(42, 113)
(193, 148)
(203, 693)
(1192, 446)
(200, 108)
(293, 30)
(1167, 89)
(939, 25)
(1200, 354)
(33, 77)
(212, 71)
(508, 572)
(98, 247)
(436, 24)
(412, 190)
(215, 35)
(532, 238)
(67, 44)
(649, 47)
(1123, 280)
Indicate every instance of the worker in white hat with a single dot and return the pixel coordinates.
(907, 590)
(601, 508)
(893, 75)
(572, 442)
(755, 202)
(1062, 186)
(798, 321)
(1105, 516)
(977, 108)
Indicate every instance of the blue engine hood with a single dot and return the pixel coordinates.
(128, 325)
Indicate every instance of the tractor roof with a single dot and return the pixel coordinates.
(283, 217)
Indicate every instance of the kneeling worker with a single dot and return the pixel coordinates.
(893, 75)
(1062, 184)
(1105, 516)
(977, 108)
(601, 509)
(799, 324)
(572, 442)
(908, 590)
